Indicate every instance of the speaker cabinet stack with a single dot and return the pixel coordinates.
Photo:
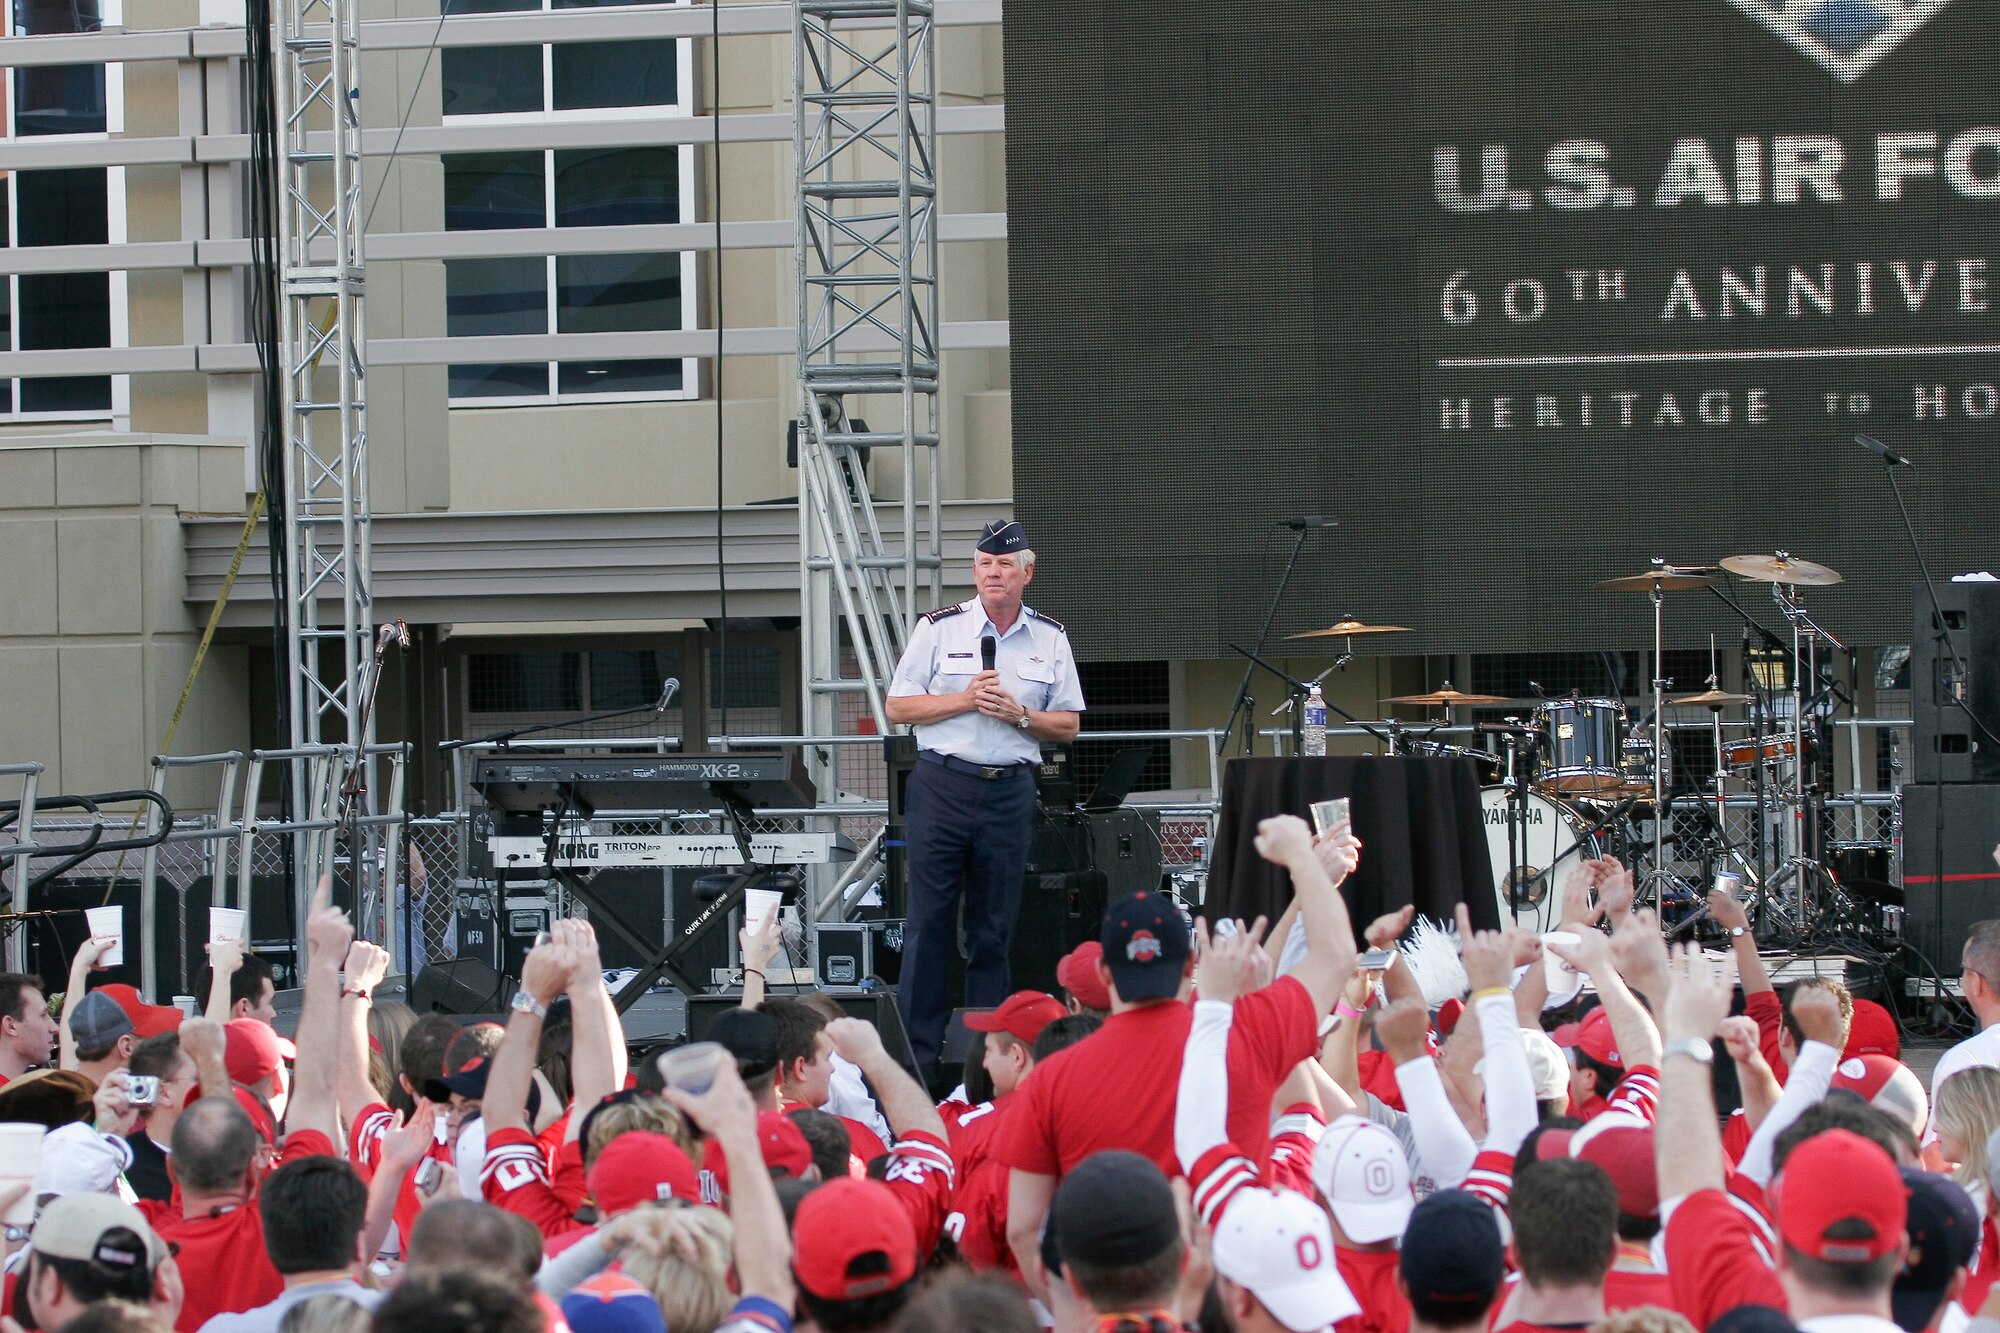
(1951, 804)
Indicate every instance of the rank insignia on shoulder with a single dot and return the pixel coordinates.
(1046, 619)
(944, 612)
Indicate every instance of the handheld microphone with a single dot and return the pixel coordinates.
(988, 650)
(1309, 521)
(1882, 451)
(668, 689)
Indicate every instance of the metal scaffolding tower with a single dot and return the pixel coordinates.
(323, 339)
(867, 258)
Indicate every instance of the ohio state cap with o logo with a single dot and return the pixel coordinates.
(1145, 946)
(1363, 1173)
(1278, 1245)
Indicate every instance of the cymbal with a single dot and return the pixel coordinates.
(1448, 698)
(1344, 628)
(1673, 578)
(1780, 568)
(1713, 698)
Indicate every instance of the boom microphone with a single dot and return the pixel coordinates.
(1882, 451)
(1309, 521)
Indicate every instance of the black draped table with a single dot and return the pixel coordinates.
(1419, 821)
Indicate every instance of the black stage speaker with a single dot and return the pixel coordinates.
(959, 1039)
(638, 897)
(1125, 848)
(1949, 746)
(878, 1007)
(1945, 895)
(461, 986)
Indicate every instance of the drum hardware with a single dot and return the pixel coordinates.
(1348, 627)
(1711, 697)
(1781, 569)
(1449, 698)
(1665, 577)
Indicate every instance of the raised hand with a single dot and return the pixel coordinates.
(1525, 945)
(1640, 952)
(1579, 896)
(1616, 889)
(547, 969)
(1816, 1009)
(1230, 966)
(366, 965)
(114, 1113)
(855, 1038)
(410, 1142)
(1404, 1028)
(762, 948)
(1339, 854)
(1386, 929)
(1591, 954)
(1698, 999)
(226, 957)
(201, 1037)
(1740, 1035)
(1726, 911)
(1488, 959)
(328, 931)
(1284, 839)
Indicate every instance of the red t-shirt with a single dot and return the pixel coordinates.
(979, 1205)
(515, 1178)
(1769, 1011)
(1713, 1261)
(864, 1145)
(1371, 1276)
(1523, 1326)
(222, 1260)
(1117, 1087)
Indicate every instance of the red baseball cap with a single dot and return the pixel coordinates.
(1626, 1154)
(1077, 974)
(1872, 1032)
(642, 1167)
(253, 1049)
(1592, 1036)
(1837, 1181)
(846, 1222)
(148, 1020)
(1021, 1015)
(782, 1142)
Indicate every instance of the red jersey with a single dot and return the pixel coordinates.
(1294, 1141)
(221, 1255)
(921, 1175)
(1714, 1261)
(1523, 1326)
(515, 1178)
(1492, 1177)
(1371, 1276)
(364, 1150)
(1630, 1288)
(979, 1205)
(1117, 1087)
(864, 1145)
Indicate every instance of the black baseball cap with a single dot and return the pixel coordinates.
(750, 1036)
(1944, 1229)
(1146, 946)
(1452, 1253)
(1115, 1209)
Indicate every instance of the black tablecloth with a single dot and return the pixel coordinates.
(1419, 821)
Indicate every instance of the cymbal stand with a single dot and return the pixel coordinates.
(1517, 812)
(1656, 874)
(1803, 871)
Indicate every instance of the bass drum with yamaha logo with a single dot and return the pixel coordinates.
(1549, 840)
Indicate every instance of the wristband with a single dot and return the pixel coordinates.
(357, 993)
(1346, 1010)
(1479, 995)
(756, 972)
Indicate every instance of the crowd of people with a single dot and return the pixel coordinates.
(1217, 1129)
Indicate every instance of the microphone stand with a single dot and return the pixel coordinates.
(1299, 689)
(1245, 704)
(502, 737)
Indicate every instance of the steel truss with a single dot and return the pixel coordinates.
(323, 340)
(867, 259)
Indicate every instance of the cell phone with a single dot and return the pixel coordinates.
(1375, 960)
(142, 1089)
(427, 1174)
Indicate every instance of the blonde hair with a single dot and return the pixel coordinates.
(324, 1314)
(681, 1253)
(1643, 1319)
(648, 1114)
(1968, 1108)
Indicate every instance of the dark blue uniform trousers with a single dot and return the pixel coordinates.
(962, 833)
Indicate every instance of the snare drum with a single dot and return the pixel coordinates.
(1581, 745)
(1546, 846)
(1740, 756)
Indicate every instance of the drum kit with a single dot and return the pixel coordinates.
(1573, 777)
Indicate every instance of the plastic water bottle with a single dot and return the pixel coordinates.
(1312, 738)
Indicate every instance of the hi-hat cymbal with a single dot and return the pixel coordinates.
(1713, 698)
(1672, 578)
(1350, 626)
(1780, 568)
(1448, 698)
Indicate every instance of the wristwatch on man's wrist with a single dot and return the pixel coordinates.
(1023, 723)
(524, 1002)
(1693, 1048)
(1737, 932)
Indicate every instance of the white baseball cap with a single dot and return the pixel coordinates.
(1547, 1068)
(1279, 1246)
(1364, 1175)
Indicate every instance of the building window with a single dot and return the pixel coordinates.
(81, 206)
(584, 187)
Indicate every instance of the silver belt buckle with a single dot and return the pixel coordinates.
(989, 772)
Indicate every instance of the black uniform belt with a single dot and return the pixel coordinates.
(989, 772)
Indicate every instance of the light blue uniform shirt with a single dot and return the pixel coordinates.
(1035, 664)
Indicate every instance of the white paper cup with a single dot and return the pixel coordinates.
(108, 923)
(188, 1005)
(226, 923)
(1564, 980)
(692, 1068)
(20, 1160)
(759, 906)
